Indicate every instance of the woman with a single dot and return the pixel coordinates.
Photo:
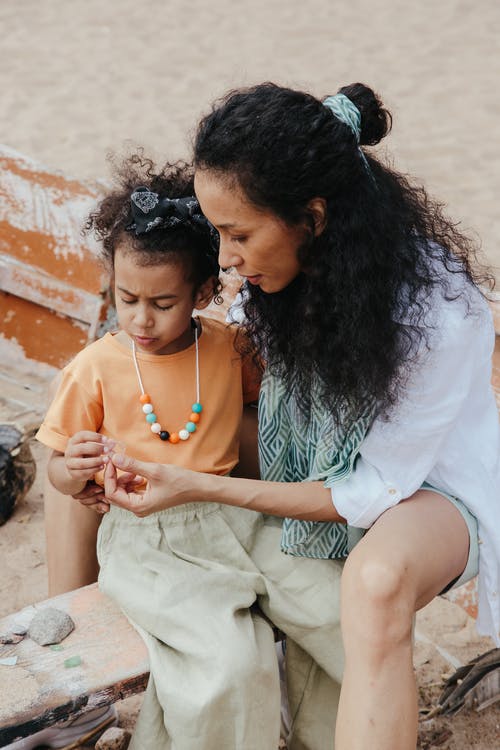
(376, 408)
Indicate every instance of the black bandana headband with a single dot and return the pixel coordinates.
(149, 211)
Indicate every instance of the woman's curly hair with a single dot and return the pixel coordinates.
(384, 247)
(110, 222)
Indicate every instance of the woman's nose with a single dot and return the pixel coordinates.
(228, 257)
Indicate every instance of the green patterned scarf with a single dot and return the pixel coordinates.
(292, 449)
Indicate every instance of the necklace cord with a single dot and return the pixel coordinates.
(136, 365)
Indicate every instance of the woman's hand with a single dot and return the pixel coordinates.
(166, 487)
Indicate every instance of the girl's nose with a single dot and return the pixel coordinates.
(142, 318)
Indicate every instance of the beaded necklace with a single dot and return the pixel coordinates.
(148, 410)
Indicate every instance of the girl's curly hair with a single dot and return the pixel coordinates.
(111, 220)
(386, 244)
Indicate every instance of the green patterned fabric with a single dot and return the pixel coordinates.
(292, 449)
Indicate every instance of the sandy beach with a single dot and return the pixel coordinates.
(82, 78)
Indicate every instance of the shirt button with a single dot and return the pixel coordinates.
(392, 491)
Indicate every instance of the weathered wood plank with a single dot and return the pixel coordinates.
(39, 690)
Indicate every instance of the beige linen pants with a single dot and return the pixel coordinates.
(187, 578)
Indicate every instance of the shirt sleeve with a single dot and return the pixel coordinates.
(72, 409)
(397, 454)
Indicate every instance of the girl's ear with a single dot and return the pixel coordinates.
(204, 294)
(316, 208)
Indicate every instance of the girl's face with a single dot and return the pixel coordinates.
(154, 303)
(259, 245)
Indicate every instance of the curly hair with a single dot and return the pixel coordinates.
(110, 222)
(384, 246)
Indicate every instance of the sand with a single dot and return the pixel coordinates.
(83, 77)
(80, 78)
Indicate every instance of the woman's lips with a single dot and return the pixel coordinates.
(254, 279)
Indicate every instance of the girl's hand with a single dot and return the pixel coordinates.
(167, 486)
(92, 495)
(84, 455)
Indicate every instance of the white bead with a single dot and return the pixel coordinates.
(156, 427)
(183, 434)
(147, 408)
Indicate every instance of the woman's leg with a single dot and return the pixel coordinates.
(410, 554)
(71, 533)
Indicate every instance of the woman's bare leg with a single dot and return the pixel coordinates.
(410, 554)
(71, 534)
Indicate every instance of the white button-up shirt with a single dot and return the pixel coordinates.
(445, 431)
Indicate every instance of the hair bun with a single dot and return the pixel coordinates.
(376, 121)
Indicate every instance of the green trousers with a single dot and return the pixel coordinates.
(188, 579)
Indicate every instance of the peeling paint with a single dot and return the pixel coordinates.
(51, 278)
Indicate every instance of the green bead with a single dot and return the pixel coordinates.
(190, 426)
(197, 408)
(73, 661)
(151, 418)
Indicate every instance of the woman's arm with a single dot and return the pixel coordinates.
(171, 485)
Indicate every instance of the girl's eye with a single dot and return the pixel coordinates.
(128, 301)
(168, 307)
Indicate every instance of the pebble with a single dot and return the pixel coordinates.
(113, 738)
(50, 625)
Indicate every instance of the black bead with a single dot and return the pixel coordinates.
(164, 435)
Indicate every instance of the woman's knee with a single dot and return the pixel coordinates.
(377, 596)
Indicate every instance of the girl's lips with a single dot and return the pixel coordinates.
(144, 340)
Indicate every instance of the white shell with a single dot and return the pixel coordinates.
(183, 434)
(156, 427)
(147, 408)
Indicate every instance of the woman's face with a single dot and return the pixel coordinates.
(259, 245)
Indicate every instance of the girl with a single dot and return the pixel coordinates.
(364, 299)
(171, 387)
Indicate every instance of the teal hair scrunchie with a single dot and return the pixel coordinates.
(346, 111)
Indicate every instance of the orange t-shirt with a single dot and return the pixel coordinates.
(100, 391)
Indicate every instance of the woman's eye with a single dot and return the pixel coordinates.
(238, 239)
(127, 301)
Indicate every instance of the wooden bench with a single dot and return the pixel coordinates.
(39, 690)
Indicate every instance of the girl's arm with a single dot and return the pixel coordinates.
(171, 485)
(248, 463)
(69, 472)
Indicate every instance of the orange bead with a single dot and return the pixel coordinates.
(174, 438)
(145, 398)
(193, 417)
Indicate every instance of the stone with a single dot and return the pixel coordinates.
(113, 738)
(50, 625)
(17, 467)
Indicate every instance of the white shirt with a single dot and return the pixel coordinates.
(444, 431)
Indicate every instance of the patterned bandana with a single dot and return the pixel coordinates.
(149, 211)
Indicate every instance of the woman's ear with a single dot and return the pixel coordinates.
(204, 294)
(316, 208)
